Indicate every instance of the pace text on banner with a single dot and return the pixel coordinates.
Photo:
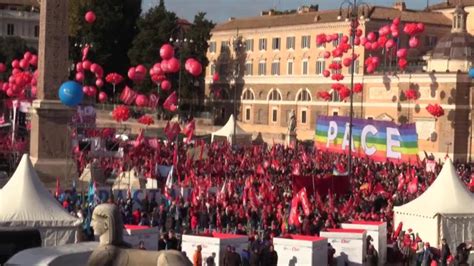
(378, 140)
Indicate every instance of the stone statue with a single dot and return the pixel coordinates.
(292, 123)
(113, 251)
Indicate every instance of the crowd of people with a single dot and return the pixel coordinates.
(255, 189)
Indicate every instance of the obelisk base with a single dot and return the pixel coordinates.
(50, 142)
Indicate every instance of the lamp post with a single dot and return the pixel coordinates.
(352, 8)
(237, 45)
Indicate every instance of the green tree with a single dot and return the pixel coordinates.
(111, 35)
(12, 48)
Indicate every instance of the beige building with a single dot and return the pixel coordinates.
(20, 18)
(283, 72)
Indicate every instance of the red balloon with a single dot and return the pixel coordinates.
(16, 63)
(79, 67)
(390, 44)
(215, 77)
(363, 40)
(196, 69)
(414, 42)
(326, 73)
(357, 41)
(27, 56)
(102, 97)
(420, 27)
(164, 66)
(347, 62)
(368, 46)
(33, 91)
(141, 69)
(34, 60)
(402, 63)
(345, 39)
(396, 21)
(385, 30)
(359, 33)
(90, 17)
(86, 64)
(95, 68)
(92, 90)
(402, 53)
(374, 45)
(395, 34)
(99, 83)
(131, 73)
(141, 100)
(3, 67)
(327, 54)
(188, 63)
(80, 76)
(157, 69)
(173, 65)
(371, 37)
(166, 51)
(165, 85)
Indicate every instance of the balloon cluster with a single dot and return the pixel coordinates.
(435, 110)
(146, 120)
(23, 77)
(121, 113)
(411, 94)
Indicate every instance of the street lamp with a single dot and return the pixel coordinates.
(352, 8)
(237, 45)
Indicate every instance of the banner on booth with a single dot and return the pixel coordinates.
(378, 140)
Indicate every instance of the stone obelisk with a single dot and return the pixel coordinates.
(50, 141)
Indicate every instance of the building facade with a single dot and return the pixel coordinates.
(20, 18)
(284, 72)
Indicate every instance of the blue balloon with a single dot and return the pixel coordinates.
(471, 72)
(70, 93)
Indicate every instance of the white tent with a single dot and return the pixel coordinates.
(25, 202)
(444, 210)
(132, 179)
(227, 132)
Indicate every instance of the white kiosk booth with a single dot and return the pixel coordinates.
(133, 234)
(378, 232)
(213, 243)
(349, 245)
(301, 250)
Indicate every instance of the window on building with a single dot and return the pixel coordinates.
(276, 68)
(247, 114)
(213, 69)
(249, 45)
(337, 41)
(306, 41)
(262, 44)
(248, 68)
(37, 31)
(335, 113)
(305, 67)
(259, 115)
(248, 95)
(276, 43)
(274, 115)
(274, 95)
(212, 47)
(290, 68)
(303, 117)
(430, 41)
(335, 96)
(320, 66)
(290, 43)
(10, 29)
(304, 96)
(356, 67)
(262, 68)
(225, 45)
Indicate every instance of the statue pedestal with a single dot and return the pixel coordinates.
(50, 142)
(291, 139)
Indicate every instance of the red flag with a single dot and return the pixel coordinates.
(471, 183)
(413, 186)
(2, 119)
(293, 218)
(85, 51)
(260, 170)
(170, 102)
(189, 130)
(140, 139)
(153, 101)
(296, 168)
(303, 198)
(128, 95)
(172, 130)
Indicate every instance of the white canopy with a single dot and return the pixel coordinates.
(443, 210)
(132, 179)
(25, 202)
(227, 131)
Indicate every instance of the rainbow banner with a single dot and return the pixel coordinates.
(378, 140)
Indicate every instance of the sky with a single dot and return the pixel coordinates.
(221, 10)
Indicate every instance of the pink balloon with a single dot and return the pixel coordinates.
(24, 63)
(345, 39)
(188, 63)
(327, 54)
(79, 67)
(402, 53)
(80, 76)
(141, 100)
(215, 77)
(363, 40)
(165, 85)
(33, 91)
(396, 21)
(102, 97)
(370, 69)
(85, 90)
(390, 44)
(16, 71)
(99, 83)
(157, 69)
(140, 69)
(16, 63)
(86, 65)
(196, 69)
(3, 67)
(414, 42)
(92, 90)
(326, 73)
(94, 68)
(371, 37)
(166, 51)
(357, 41)
(385, 30)
(173, 65)
(395, 34)
(359, 32)
(27, 56)
(164, 66)
(34, 60)
(131, 73)
(421, 27)
(347, 62)
(90, 17)
(34, 82)
(10, 92)
(374, 45)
